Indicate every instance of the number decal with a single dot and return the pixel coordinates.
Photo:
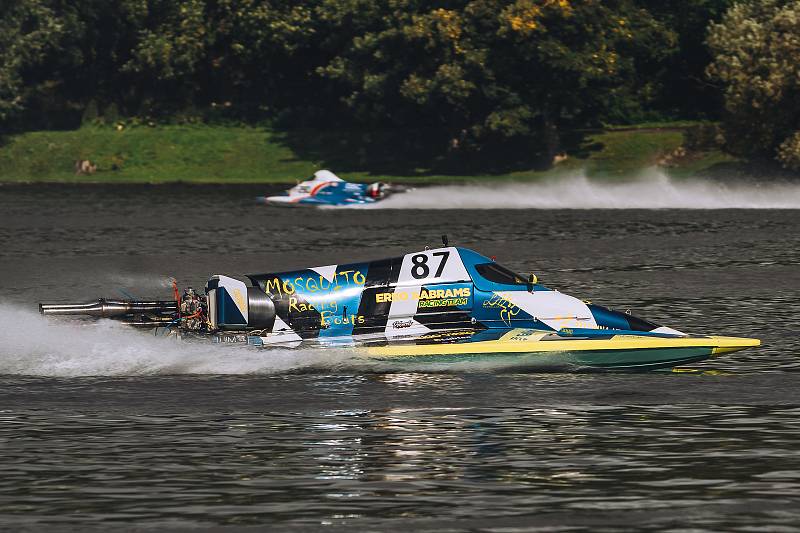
(420, 268)
(444, 256)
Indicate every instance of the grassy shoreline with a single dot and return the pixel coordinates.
(210, 154)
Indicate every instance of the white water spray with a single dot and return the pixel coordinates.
(31, 344)
(652, 190)
(34, 345)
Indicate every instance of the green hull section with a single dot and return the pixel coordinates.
(636, 359)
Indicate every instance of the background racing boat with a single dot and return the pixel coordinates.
(326, 189)
(443, 305)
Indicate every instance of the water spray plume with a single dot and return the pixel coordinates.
(41, 346)
(652, 190)
(37, 345)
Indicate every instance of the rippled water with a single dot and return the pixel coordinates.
(102, 426)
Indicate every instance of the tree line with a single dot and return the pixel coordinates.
(451, 75)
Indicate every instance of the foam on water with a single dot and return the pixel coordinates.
(35, 345)
(653, 189)
(31, 344)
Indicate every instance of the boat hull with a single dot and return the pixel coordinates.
(279, 201)
(287, 201)
(614, 353)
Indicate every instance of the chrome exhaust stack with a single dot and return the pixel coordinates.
(106, 308)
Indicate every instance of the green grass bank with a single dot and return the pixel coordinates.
(228, 154)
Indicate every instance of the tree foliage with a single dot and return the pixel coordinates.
(486, 70)
(29, 32)
(756, 50)
(454, 75)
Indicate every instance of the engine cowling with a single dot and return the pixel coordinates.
(233, 306)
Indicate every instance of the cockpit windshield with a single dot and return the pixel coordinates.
(499, 274)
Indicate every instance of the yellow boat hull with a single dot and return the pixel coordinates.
(530, 346)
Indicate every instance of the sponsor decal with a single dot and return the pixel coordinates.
(278, 287)
(400, 324)
(231, 337)
(390, 297)
(460, 293)
(508, 309)
(445, 302)
(446, 336)
(522, 335)
(296, 306)
(313, 284)
(329, 317)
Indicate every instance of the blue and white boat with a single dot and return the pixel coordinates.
(326, 189)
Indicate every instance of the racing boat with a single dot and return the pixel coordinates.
(326, 189)
(441, 305)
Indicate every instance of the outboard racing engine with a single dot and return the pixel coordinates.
(233, 306)
(230, 312)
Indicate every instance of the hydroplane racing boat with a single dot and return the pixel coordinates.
(326, 189)
(443, 305)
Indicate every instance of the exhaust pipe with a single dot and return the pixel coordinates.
(105, 308)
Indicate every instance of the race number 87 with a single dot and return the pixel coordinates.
(420, 268)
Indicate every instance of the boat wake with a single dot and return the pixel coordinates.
(652, 190)
(41, 346)
(49, 347)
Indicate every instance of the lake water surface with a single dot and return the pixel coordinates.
(106, 427)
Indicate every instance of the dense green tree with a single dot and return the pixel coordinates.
(60, 55)
(29, 31)
(484, 69)
(170, 49)
(756, 50)
(669, 81)
(446, 76)
(262, 55)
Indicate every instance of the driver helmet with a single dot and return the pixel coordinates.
(375, 190)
